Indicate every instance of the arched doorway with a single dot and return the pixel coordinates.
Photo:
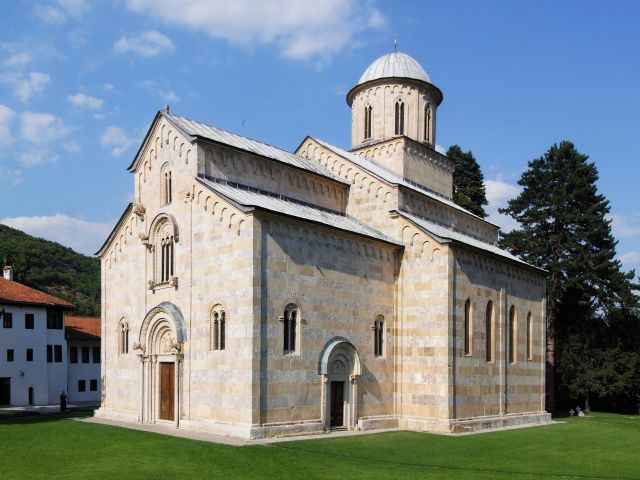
(162, 337)
(340, 368)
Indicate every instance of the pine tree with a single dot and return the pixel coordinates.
(468, 181)
(564, 229)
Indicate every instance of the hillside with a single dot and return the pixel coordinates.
(52, 268)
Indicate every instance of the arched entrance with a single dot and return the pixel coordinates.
(159, 348)
(340, 368)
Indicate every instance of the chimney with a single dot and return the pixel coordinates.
(7, 272)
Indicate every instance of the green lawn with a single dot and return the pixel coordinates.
(602, 446)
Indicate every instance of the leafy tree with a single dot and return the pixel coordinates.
(468, 181)
(564, 229)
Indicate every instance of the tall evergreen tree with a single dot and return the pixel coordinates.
(564, 229)
(468, 181)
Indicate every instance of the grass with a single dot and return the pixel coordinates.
(601, 446)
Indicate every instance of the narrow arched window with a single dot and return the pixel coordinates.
(218, 327)
(378, 336)
(166, 185)
(513, 335)
(468, 328)
(529, 337)
(290, 319)
(489, 331)
(166, 266)
(368, 110)
(123, 338)
(427, 123)
(399, 117)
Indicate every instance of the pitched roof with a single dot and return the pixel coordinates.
(82, 328)
(14, 292)
(247, 197)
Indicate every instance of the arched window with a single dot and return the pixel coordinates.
(529, 337)
(291, 314)
(166, 187)
(162, 239)
(368, 110)
(378, 336)
(399, 117)
(166, 260)
(489, 331)
(123, 338)
(218, 329)
(468, 328)
(427, 123)
(513, 335)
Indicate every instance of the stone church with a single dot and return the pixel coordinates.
(253, 292)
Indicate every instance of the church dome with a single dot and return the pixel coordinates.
(395, 64)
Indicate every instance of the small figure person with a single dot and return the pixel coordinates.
(63, 401)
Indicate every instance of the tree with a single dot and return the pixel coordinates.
(468, 181)
(564, 229)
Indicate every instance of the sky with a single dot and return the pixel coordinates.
(80, 82)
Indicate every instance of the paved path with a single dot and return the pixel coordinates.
(46, 409)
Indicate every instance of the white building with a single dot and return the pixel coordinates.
(33, 348)
(83, 347)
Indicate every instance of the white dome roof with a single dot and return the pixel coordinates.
(395, 64)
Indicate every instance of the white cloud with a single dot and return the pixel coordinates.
(440, 149)
(61, 11)
(26, 86)
(623, 227)
(166, 94)
(10, 177)
(42, 128)
(630, 258)
(80, 100)
(49, 13)
(117, 140)
(36, 156)
(81, 235)
(147, 44)
(301, 30)
(498, 194)
(19, 59)
(6, 117)
(72, 146)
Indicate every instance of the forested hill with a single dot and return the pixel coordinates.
(52, 268)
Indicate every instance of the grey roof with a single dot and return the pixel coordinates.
(444, 233)
(244, 196)
(197, 129)
(392, 178)
(394, 65)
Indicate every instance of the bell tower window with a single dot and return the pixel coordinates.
(399, 130)
(368, 110)
(427, 123)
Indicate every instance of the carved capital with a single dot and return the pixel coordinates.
(174, 282)
(139, 210)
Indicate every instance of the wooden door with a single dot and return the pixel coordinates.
(336, 418)
(5, 391)
(166, 390)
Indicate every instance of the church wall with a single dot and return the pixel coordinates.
(496, 387)
(340, 283)
(246, 169)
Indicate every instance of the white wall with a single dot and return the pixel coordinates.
(83, 371)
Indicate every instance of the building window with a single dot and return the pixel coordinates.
(73, 354)
(378, 336)
(513, 335)
(291, 314)
(7, 320)
(54, 319)
(96, 354)
(93, 385)
(85, 354)
(368, 110)
(399, 118)
(468, 328)
(167, 258)
(489, 332)
(82, 385)
(529, 337)
(57, 350)
(427, 123)
(218, 329)
(49, 353)
(163, 237)
(10, 355)
(28, 321)
(29, 354)
(166, 180)
(123, 340)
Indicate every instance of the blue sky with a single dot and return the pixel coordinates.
(81, 80)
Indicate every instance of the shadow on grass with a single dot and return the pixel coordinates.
(25, 417)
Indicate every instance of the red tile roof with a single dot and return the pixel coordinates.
(14, 292)
(82, 328)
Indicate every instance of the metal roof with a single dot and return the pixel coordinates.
(197, 129)
(244, 196)
(394, 65)
(444, 233)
